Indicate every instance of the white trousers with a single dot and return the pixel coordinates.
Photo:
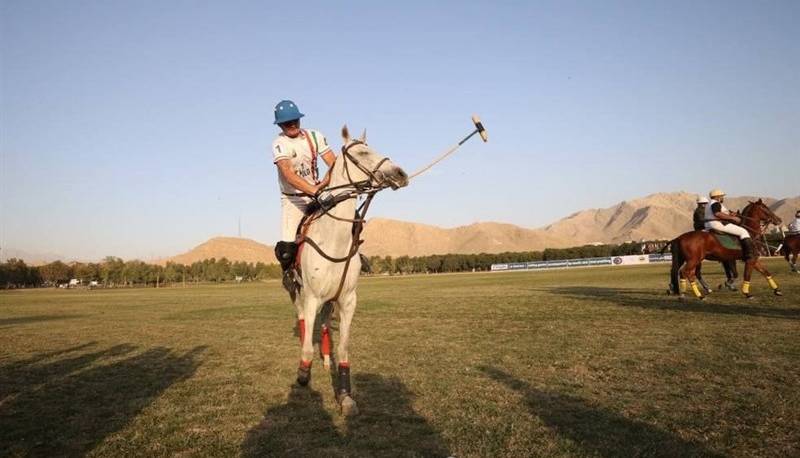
(732, 229)
(291, 214)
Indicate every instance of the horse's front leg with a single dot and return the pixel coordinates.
(309, 310)
(347, 307)
(794, 261)
(772, 284)
(301, 322)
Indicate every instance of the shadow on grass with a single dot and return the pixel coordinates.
(68, 406)
(6, 322)
(648, 299)
(386, 426)
(594, 429)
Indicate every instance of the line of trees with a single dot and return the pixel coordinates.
(114, 272)
(484, 261)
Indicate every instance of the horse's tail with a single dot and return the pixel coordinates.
(666, 246)
(677, 261)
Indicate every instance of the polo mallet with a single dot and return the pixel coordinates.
(479, 129)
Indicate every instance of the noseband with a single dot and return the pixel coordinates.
(376, 180)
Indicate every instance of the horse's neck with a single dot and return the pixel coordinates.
(750, 222)
(336, 234)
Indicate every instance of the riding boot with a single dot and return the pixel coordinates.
(748, 250)
(285, 253)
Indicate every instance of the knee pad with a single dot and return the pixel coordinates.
(285, 252)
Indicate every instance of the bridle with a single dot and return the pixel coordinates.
(761, 224)
(375, 181)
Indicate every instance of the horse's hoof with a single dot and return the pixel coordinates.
(702, 298)
(303, 375)
(348, 406)
(777, 292)
(682, 298)
(748, 296)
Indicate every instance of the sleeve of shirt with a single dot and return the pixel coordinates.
(278, 153)
(716, 207)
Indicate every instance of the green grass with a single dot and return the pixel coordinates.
(592, 362)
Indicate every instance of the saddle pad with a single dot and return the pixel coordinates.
(728, 241)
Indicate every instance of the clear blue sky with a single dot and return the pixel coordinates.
(140, 129)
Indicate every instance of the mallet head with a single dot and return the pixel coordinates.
(480, 128)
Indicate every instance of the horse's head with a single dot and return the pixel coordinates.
(363, 164)
(759, 211)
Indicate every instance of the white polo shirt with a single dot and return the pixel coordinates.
(794, 226)
(298, 152)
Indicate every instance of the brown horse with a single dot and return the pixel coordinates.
(791, 246)
(692, 247)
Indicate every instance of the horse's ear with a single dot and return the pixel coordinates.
(760, 201)
(345, 134)
(363, 137)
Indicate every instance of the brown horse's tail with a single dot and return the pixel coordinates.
(677, 262)
(666, 246)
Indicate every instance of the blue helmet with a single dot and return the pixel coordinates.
(285, 111)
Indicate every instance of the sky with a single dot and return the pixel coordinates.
(140, 129)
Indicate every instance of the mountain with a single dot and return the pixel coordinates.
(654, 217)
(390, 237)
(786, 208)
(31, 259)
(231, 248)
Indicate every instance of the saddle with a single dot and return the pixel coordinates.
(726, 240)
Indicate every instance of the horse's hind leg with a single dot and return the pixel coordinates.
(794, 261)
(688, 270)
(325, 334)
(347, 307)
(698, 272)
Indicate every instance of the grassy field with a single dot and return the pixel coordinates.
(592, 362)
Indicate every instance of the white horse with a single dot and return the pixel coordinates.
(358, 170)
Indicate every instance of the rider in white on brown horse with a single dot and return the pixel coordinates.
(722, 220)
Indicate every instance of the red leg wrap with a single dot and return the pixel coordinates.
(305, 364)
(301, 327)
(326, 341)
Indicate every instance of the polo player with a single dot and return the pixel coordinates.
(720, 219)
(794, 226)
(699, 217)
(295, 152)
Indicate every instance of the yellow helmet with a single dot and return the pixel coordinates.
(716, 193)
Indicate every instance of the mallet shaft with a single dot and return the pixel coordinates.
(479, 129)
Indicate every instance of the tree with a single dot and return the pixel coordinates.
(56, 272)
